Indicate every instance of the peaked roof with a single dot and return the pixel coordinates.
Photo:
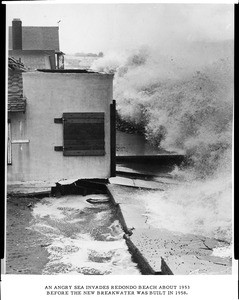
(37, 38)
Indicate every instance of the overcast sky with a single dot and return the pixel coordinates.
(106, 27)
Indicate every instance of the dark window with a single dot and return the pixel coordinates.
(83, 134)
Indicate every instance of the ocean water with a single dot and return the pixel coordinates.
(199, 207)
(185, 103)
(83, 238)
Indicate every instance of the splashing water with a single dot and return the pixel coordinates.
(182, 106)
(202, 208)
(185, 104)
(83, 239)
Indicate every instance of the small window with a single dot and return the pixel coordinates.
(83, 134)
(9, 143)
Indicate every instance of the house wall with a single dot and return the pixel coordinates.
(35, 59)
(48, 96)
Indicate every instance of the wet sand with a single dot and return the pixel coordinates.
(65, 235)
(26, 253)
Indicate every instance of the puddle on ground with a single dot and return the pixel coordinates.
(82, 238)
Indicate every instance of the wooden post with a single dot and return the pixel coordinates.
(113, 139)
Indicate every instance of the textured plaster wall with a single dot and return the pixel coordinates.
(48, 96)
(35, 60)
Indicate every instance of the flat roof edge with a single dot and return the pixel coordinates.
(73, 71)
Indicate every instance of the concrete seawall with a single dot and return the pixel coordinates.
(162, 252)
(157, 251)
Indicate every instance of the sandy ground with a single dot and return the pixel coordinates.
(28, 249)
(26, 253)
(64, 235)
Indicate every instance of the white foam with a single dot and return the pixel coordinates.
(223, 251)
(72, 249)
(199, 207)
(84, 254)
(54, 207)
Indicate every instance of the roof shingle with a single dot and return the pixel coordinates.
(15, 64)
(16, 104)
(16, 101)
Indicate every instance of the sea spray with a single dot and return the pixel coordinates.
(180, 107)
(198, 207)
(185, 103)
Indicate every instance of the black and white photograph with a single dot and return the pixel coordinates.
(119, 142)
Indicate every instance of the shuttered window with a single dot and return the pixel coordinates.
(83, 134)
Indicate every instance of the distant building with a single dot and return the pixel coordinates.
(37, 47)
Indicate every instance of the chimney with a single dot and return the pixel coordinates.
(16, 34)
